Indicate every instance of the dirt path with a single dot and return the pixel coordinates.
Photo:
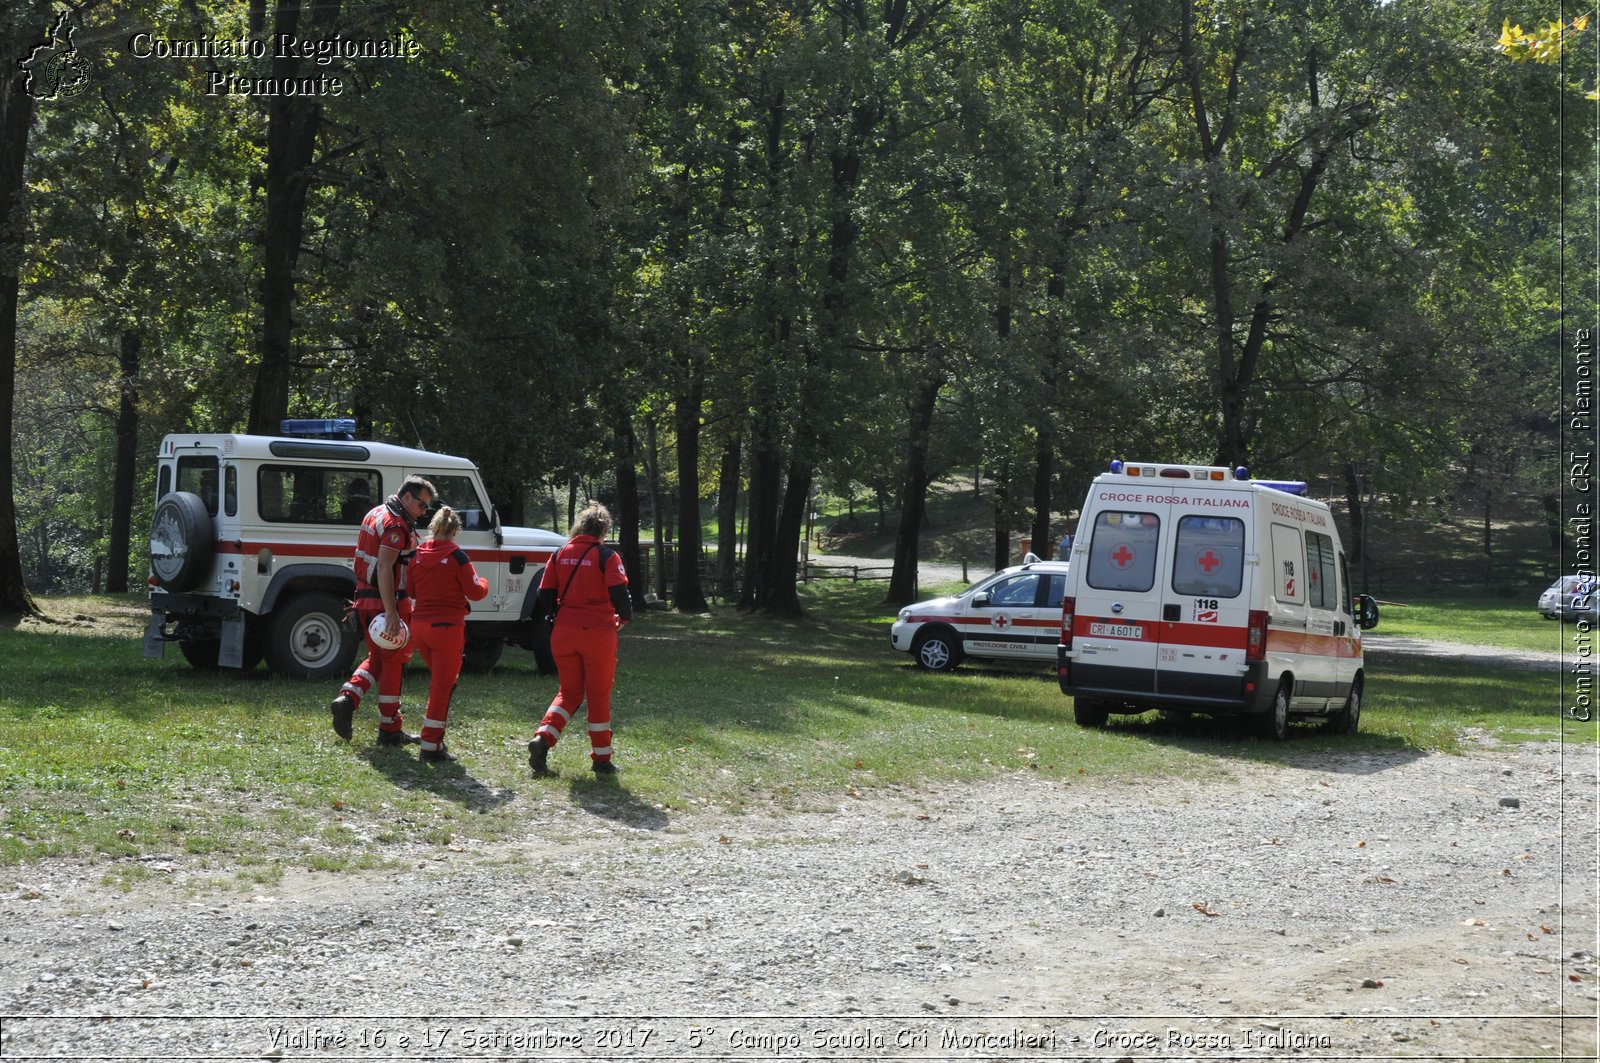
(1367, 904)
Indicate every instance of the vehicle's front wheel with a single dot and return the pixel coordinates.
(1348, 718)
(307, 637)
(1275, 724)
(936, 650)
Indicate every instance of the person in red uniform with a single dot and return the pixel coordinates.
(385, 544)
(442, 582)
(587, 582)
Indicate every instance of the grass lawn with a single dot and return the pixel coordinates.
(106, 754)
(1513, 625)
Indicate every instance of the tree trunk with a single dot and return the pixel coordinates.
(16, 123)
(122, 482)
(1043, 474)
(914, 499)
(689, 595)
(1352, 498)
(292, 125)
(778, 593)
(627, 515)
(766, 482)
(652, 468)
(1002, 518)
(727, 519)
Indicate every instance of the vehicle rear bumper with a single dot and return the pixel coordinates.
(1246, 694)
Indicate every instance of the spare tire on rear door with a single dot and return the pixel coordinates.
(182, 544)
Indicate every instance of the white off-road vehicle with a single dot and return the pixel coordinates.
(252, 549)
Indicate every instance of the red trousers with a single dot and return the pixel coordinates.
(382, 669)
(440, 643)
(586, 657)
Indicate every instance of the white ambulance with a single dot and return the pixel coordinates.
(253, 543)
(1196, 589)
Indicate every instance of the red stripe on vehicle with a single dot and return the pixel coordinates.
(345, 552)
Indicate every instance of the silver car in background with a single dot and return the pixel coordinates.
(1571, 598)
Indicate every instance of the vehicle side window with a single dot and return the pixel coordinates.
(1324, 584)
(164, 482)
(199, 476)
(230, 491)
(1055, 591)
(460, 494)
(1288, 565)
(314, 494)
(1122, 551)
(1018, 593)
(1208, 557)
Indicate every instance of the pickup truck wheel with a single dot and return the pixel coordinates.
(481, 655)
(936, 650)
(1090, 712)
(307, 637)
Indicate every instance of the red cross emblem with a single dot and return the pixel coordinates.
(1001, 621)
(1122, 557)
(1208, 561)
(1313, 577)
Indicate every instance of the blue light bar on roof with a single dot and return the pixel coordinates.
(1288, 487)
(325, 428)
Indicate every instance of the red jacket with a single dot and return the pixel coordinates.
(598, 593)
(443, 581)
(384, 525)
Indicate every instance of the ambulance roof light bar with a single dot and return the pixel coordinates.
(1288, 487)
(1171, 472)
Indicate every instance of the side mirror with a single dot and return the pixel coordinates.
(980, 599)
(1366, 612)
(494, 517)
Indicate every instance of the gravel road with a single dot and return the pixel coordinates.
(1369, 904)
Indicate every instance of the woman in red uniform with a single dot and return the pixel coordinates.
(587, 588)
(443, 581)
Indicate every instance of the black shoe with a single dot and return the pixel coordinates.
(344, 711)
(603, 767)
(397, 738)
(538, 757)
(436, 756)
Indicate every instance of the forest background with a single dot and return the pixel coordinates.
(752, 251)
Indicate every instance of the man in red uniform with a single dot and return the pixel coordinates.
(386, 542)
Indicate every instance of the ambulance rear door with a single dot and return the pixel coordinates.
(1118, 604)
(1205, 606)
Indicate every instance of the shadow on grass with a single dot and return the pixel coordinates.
(452, 782)
(1308, 744)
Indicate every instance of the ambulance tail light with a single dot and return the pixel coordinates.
(1069, 607)
(1174, 474)
(1255, 648)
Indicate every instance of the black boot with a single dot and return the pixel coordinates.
(437, 756)
(538, 757)
(397, 738)
(344, 711)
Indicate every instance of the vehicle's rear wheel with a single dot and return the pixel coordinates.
(307, 637)
(481, 655)
(1275, 723)
(1090, 712)
(201, 653)
(936, 650)
(1348, 718)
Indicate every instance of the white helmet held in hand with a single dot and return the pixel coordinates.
(396, 641)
